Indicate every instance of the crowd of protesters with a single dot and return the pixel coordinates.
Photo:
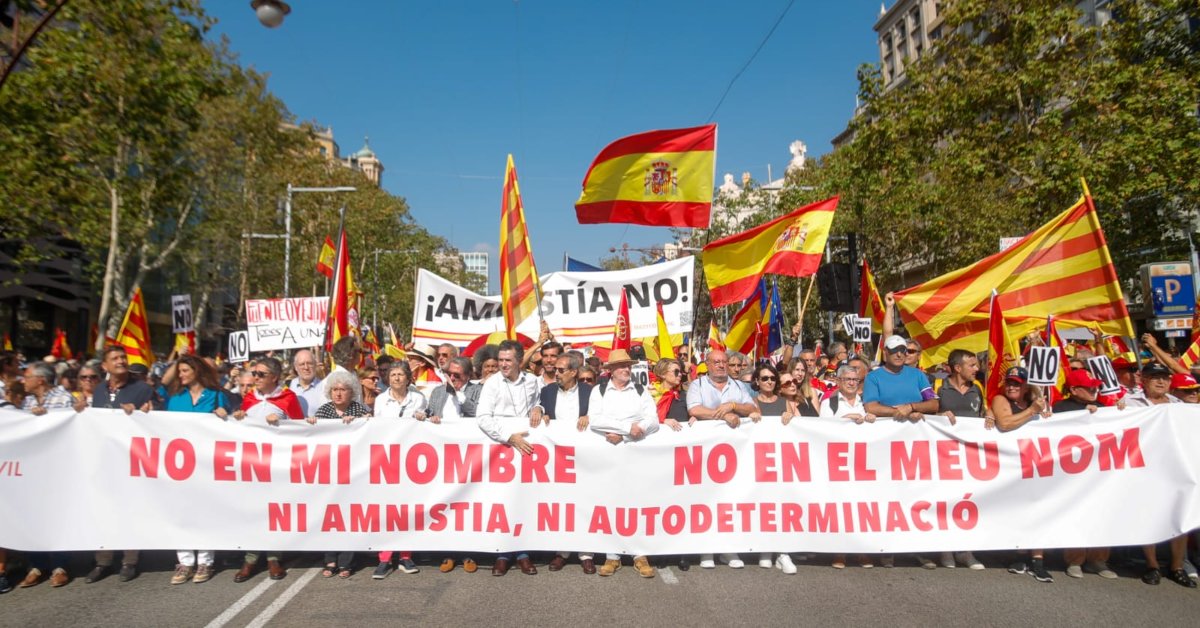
(550, 381)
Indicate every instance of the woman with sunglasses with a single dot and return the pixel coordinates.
(587, 375)
(89, 376)
(669, 394)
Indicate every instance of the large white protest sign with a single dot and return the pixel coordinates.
(287, 323)
(1102, 369)
(181, 313)
(578, 306)
(1043, 365)
(819, 485)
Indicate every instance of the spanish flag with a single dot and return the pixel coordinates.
(621, 338)
(869, 304)
(743, 329)
(8, 346)
(342, 300)
(326, 257)
(714, 336)
(1063, 269)
(657, 178)
(1002, 351)
(134, 333)
(60, 349)
(520, 291)
(185, 342)
(792, 244)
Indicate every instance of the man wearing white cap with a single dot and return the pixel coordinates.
(896, 390)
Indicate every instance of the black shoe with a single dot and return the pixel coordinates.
(1037, 569)
(1017, 568)
(1152, 576)
(382, 571)
(5, 585)
(1180, 577)
(684, 565)
(98, 573)
(127, 573)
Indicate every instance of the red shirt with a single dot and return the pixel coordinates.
(283, 399)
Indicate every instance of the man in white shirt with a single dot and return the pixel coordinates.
(846, 402)
(306, 384)
(623, 412)
(503, 401)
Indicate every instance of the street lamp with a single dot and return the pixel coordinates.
(287, 220)
(270, 12)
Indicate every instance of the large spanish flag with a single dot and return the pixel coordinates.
(658, 178)
(520, 291)
(134, 333)
(792, 244)
(1062, 269)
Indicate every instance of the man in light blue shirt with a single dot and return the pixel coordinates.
(898, 391)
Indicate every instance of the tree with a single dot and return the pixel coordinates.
(990, 133)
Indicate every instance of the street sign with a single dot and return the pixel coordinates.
(1168, 289)
(1165, 324)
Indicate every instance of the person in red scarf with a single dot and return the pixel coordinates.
(670, 398)
(268, 400)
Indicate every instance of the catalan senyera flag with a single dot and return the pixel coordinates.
(792, 244)
(870, 305)
(520, 291)
(621, 338)
(657, 178)
(325, 259)
(134, 333)
(1003, 353)
(744, 326)
(1063, 269)
(666, 348)
(1192, 355)
(185, 342)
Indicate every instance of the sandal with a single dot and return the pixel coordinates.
(344, 572)
(329, 570)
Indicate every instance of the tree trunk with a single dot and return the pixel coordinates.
(111, 264)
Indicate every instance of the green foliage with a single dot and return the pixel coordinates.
(989, 134)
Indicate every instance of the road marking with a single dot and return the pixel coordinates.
(281, 601)
(240, 605)
(668, 576)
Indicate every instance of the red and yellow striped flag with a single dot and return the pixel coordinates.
(792, 244)
(870, 305)
(325, 259)
(8, 346)
(134, 333)
(1063, 269)
(520, 291)
(1192, 355)
(714, 336)
(1002, 351)
(666, 346)
(185, 342)
(743, 329)
(658, 178)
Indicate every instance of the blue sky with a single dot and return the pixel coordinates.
(445, 90)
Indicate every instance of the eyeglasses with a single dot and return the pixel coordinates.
(788, 382)
(898, 350)
(559, 369)
(373, 378)
(768, 378)
(851, 380)
(89, 377)
(675, 372)
(588, 380)
(442, 354)
(260, 373)
(454, 375)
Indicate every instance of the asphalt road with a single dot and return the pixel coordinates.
(902, 596)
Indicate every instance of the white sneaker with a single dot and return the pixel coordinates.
(1188, 567)
(1100, 568)
(968, 559)
(947, 560)
(764, 561)
(784, 563)
(1075, 571)
(707, 562)
(733, 561)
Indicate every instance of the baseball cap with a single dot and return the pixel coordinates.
(1183, 381)
(1122, 364)
(1082, 378)
(1155, 369)
(1017, 373)
(895, 342)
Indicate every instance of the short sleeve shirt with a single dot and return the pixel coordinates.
(893, 389)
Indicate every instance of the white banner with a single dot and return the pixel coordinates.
(814, 485)
(294, 323)
(580, 307)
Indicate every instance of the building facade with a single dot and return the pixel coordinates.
(476, 263)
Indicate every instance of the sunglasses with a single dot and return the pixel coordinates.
(675, 372)
(588, 380)
(788, 382)
(768, 378)
(559, 369)
(89, 377)
(455, 375)
(898, 350)
(260, 373)
(373, 378)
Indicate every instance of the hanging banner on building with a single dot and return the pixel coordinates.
(296, 323)
(818, 485)
(580, 307)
